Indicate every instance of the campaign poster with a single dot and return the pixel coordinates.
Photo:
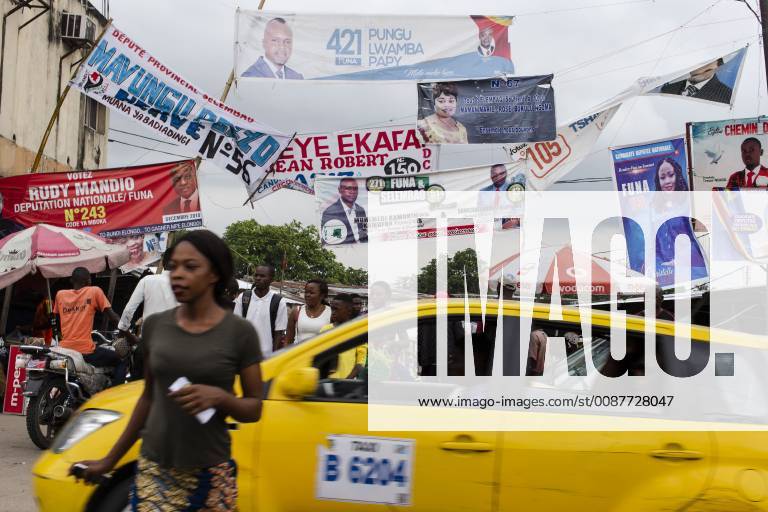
(492, 111)
(727, 156)
(714, 80)
(724, 153)
(130, 201)
(390, 151)
(287, 46)
(125, 77)
(647, 176)
(342, 202)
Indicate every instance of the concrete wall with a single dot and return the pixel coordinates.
(34, 73)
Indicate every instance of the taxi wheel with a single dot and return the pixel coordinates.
(116, 500)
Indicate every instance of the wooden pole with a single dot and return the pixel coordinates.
(6, 307)
(110, 296)
(55, 115)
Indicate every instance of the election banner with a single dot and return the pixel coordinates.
(549, 161)
(287, 46)
(647, 177)
(342, 202)
(724, 152)
(728, 155)
(390, 151)
(126, 202)
(492, 111)
(713, 81)
(122, 75)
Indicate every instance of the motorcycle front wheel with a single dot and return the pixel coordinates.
(42, 425)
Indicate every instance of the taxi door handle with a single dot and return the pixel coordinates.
(466, 446)
(677, 454)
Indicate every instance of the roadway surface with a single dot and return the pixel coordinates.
(17, 456)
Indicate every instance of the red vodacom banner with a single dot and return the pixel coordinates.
(110, 203)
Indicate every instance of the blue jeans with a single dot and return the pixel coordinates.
(102, 357)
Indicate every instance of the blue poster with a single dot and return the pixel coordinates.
(647, 177)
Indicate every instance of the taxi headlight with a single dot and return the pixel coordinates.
(82, 425)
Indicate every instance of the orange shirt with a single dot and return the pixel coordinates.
(76, 309)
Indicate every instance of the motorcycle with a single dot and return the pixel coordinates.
(59, 381)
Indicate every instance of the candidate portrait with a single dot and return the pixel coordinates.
(278, 46)
(754, 174)
(345, 221)
(184, 181)
(702, 83)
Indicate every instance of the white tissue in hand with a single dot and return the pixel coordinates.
(204, 416)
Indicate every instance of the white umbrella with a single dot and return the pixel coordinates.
(55, 252)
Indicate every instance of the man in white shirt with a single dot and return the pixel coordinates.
(265, 309)
(487, 45)
(156, 294)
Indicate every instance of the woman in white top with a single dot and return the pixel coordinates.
(306, 321)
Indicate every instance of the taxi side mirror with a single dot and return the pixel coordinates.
(299, 382)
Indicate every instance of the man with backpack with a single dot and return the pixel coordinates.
(265, 309)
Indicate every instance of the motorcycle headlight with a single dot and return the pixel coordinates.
(82, 425)
(58, 364)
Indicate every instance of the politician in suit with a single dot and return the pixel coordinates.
(278, 46)
(499, 183)
(702, 84)
(7, 226)
(751, 151)
(498, 179)
(348, 212)
(187, 197)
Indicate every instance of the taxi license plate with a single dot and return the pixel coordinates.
(365, 469)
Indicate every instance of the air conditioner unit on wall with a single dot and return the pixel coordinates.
(76, 28)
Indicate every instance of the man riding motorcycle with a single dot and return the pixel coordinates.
(76, 309)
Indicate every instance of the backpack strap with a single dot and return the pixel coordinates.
(274, 304)
(247, 294)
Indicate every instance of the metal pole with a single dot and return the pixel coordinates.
(764, 25)
(63, 96)
(55, 327)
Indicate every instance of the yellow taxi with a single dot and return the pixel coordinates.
(312, 450)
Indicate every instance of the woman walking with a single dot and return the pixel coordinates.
(307, 320)
(185, 461)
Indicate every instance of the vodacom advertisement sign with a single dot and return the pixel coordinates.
(13, 403)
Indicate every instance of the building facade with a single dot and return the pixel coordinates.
(43, 41)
